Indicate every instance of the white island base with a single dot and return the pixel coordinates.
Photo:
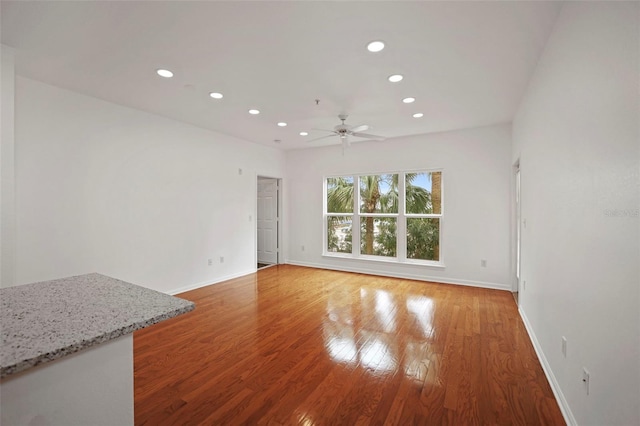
(90, 387)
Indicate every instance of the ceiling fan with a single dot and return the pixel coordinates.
(343, 131)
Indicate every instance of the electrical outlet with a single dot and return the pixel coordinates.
(221, 259)
(564, 346)
(239, 171)
(585, 379)
(483, 263)
(210, 262)
(301, 248)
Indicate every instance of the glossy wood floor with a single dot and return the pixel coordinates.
(293, 345)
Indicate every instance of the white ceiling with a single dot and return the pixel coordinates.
(466, 63)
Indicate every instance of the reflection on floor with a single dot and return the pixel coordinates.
(295, 345)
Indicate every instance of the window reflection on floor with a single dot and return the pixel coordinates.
(340, 342)
(386, 310)
(422, 308)
(362, 332)
(375, 354)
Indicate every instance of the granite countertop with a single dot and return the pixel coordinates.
(44, 321)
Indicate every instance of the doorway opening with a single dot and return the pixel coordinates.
(268, 222)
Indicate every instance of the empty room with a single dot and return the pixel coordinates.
(320, 213)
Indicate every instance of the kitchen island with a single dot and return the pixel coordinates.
(66, 356)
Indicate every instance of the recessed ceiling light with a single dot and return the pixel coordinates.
(254, 111)
(216, 95)
(418, 115)
(395, 78)
(304, 133)
(408, 100)
(282, 124)
(375, 46)
(164, 73)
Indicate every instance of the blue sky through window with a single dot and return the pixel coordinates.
(423, 180)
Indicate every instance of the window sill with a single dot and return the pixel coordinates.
(392, 260)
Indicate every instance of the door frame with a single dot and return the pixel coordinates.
(279, 222)
(516, 231)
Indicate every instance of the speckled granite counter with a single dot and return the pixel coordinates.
(44, 321)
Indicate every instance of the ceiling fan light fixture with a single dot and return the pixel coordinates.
(254, 112)
(282, 124)
(395, 78)
(375, 46)
(343, 131)
(418, 115)
(216, 95)
(164, 73)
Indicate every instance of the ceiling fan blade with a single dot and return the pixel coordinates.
(368, 136)
(322, 137)
(360, 128)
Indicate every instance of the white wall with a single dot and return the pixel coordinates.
(476, 167)
(7, 173)
(576, 134)
(109, 189)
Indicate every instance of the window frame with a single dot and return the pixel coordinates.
(361, 215)
(401, 220)
(326, 215)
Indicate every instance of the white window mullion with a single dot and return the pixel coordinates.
(401, 223)
(440, 257)
(325, 233)
(355, 223)
(325, 215)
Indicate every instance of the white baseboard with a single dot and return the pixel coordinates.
(555, 387)
(494, 286)
(206, 283)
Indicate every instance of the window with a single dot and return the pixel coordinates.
(378, 214)
(339, 214)
(394, 216)
(423, 198)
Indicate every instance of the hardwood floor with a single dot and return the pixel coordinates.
(294, 345)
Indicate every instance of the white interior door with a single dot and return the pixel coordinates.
(267, 220)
